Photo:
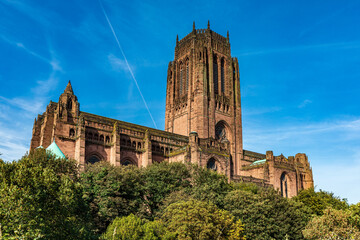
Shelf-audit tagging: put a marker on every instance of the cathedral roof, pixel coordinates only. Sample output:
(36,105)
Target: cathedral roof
(55,150)
(258,162)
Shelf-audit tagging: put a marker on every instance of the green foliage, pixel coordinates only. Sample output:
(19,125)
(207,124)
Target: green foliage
(208,185)
(112,192)
(355,215)
(160,180)
(41,198)
(265,214)
(319,201)
(195,219)
(333,224)
(133,228)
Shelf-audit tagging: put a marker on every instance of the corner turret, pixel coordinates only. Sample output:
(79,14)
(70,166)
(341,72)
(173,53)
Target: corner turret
(68,105)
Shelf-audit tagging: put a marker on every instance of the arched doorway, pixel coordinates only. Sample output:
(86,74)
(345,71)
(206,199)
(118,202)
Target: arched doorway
(211,164)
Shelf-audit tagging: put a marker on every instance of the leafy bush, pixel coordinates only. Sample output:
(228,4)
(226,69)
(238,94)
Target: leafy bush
(41,198)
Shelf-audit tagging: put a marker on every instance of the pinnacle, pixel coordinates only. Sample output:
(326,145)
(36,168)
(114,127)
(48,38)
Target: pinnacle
(69,88)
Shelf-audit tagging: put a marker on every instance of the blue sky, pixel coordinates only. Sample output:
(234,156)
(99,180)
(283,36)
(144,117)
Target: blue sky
(299,69)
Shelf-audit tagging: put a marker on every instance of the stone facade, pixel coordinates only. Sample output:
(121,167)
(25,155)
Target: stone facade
(202,123)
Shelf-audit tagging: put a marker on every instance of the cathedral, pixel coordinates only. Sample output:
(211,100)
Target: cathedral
(203,123)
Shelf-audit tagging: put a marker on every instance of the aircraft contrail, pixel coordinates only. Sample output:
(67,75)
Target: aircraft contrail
(127,64)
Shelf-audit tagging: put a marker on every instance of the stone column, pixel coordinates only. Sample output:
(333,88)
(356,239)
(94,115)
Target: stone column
(115,148)
(147,156)
(80,144)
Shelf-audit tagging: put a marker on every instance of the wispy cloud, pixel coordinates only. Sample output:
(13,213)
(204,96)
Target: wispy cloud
(260,111)
(118,64)
(324,46)
(31,11)
(126,61)
(17,113)
(304,103)
(260,135)
(332,147)
(53,62)
(340,177)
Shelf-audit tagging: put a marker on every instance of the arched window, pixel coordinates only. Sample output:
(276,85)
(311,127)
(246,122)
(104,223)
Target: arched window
(284,180)
(215,75)
(93,159)
(72,133)
(69,104)
(181,79)
(90,136)
(211,164)
(231,167)
(107,139)
(96,137)
(220,132)
(127,161)
(187,76)
(139,145)
(222,75)
(101,138)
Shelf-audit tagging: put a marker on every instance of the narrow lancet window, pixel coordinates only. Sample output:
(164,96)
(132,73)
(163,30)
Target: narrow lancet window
(187,76)
(222,76)
(181,79)
(284,185)
(215,75)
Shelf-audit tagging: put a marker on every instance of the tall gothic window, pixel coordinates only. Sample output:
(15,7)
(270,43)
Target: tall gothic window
(215,75)
(284,185)
(69,104)
(220,132)
(222,75)
(187,76)
(181,78)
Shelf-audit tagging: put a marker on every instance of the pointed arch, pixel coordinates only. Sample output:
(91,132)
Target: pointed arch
(215,75)
(181,80)
(212,164)
(284,184)
(93,158)
(222,76)
(69,104)
(187,76)
(222,131)
(128,161)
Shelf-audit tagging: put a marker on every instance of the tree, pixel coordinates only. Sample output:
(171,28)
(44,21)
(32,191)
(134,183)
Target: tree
(266,214)
(133,228)
(41,198)
(112,192)
(333,224)
(161,179)
(195,219)
(319,201)
(208,185)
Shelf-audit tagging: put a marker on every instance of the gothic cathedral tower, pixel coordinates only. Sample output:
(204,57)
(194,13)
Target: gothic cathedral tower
(203,91)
